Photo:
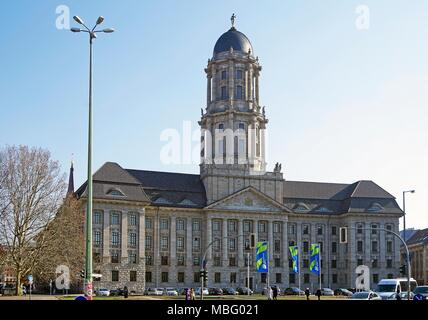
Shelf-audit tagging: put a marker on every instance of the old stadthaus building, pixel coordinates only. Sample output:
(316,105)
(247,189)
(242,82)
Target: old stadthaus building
(150,229)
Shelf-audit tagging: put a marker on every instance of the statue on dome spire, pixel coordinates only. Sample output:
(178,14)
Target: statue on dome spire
(232,20)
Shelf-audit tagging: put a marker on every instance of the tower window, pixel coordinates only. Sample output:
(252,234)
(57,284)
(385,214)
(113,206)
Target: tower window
(223,75)
(238,74)
(221,126)
(223,92)
(238,92)
(241,126)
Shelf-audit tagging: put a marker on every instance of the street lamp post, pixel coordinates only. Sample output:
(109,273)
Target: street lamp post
(88,261)
(404,210)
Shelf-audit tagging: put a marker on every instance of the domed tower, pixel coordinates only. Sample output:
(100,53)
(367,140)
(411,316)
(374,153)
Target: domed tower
(233,124)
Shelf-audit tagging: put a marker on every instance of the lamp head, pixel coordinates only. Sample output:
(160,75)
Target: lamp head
(108,30)
(100,20)
(75,30)
(78,20)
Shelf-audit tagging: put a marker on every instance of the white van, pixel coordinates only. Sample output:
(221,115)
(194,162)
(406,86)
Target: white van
(388,288)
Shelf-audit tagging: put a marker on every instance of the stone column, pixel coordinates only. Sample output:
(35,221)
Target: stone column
(208,239)
(214,83)
(351,254)
(270,246)
(208,90)
(241,258)
(231,81)
(252,142)
(382,250)
(189,255)
(285,252)
(156,252)
(124,237)
(250,83)
(106,236)
(225,244)
(173,242)
(141,250)
(257,88)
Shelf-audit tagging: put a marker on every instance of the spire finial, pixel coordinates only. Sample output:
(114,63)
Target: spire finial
(72,160)
(70,190)
(232,20)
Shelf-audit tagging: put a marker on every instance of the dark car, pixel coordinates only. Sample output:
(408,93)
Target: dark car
(353,290)
(116,292)
(294,291)
(244,290)
(229,291)
(422,290)
(342,292)
(215,291)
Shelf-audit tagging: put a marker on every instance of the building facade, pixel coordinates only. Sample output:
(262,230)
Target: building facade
(151,229)
(417,244)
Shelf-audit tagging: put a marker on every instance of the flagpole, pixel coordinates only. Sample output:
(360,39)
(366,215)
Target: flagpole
(320,276)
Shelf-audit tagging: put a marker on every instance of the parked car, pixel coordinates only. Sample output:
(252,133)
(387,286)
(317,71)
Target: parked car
(170,292)
(116,292)
(327,292)
(353,290)
(293,291)
(198,291)
(244,290)
(229,291)
(154,291)
(103,292)
(215,291)
(422,290)
(366,295)
(342,292)
(403,296)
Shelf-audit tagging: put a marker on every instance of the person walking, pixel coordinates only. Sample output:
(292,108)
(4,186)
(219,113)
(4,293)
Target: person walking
(307,293)
(192,294)
(275,293)
(318,294)
(125,292)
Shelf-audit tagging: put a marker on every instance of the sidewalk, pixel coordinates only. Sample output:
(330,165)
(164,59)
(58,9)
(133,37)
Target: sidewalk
(27,297)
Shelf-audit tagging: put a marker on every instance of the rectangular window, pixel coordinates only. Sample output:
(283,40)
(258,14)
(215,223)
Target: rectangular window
(196,261)
(374,263)
(238,74)
(196,277)
(115,275)
(277,262)
(97,238)
(114,218)
(241,147)
(305,263)
(305,247)
(276,227)
(132,239)
(133,276)
(180,260)
(132,219)
(389,263)
(292,277)
(247,244)
(164,224)
(306,278)
(359,262)
(305,229)
(292,228)
(232,226)
(263,278)
(180,277)
(359,228)
(164,260)
(278,278)
(216,225)
(334,278)
(96,257)
(196,245)
(180,224)
(247,226)
(359,246)
(374,229)
(196,225)
(374,246)
(115,237)
(375,278)
(389,247)
(238,92)
(232,261)
(148,276)
(97,217)
(217,262)
(333,264)
(334,247)
(333,230)
(262,226)
(132,258)
(232,244)
(164,243)
(180,243)
(217,245)
(319,230)
(224,75)
(224,93)
(389,227)
(148,223)
(149,260)
(148,242)
(164,276)
(277,246)
(233,277)
(217,277)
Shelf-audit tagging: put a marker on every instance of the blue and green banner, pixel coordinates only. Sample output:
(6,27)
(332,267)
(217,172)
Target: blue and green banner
(262,256)
(294,250)
(314,262)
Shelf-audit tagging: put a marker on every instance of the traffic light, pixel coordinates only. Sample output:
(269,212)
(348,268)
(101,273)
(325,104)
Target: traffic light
(252,240)
(204,275)
(82,273)
(343,232)
(403,269)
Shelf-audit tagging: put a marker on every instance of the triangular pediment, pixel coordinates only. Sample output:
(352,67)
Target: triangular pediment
(248,199)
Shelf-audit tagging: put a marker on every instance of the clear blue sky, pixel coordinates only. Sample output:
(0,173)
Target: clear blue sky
(343,104)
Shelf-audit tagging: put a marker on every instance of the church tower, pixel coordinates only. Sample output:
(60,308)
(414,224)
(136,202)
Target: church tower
(233,125)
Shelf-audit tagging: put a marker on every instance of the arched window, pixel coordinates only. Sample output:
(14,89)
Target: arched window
(238,92)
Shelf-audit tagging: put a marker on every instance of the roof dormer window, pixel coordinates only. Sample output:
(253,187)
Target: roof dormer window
(115,192)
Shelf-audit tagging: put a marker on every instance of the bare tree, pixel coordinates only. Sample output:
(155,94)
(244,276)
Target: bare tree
(31,190)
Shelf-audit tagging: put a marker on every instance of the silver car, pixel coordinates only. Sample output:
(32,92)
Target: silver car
(366,295)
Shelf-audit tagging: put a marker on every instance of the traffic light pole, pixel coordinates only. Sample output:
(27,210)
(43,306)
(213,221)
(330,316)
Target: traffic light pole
(405,246)
(203,269)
